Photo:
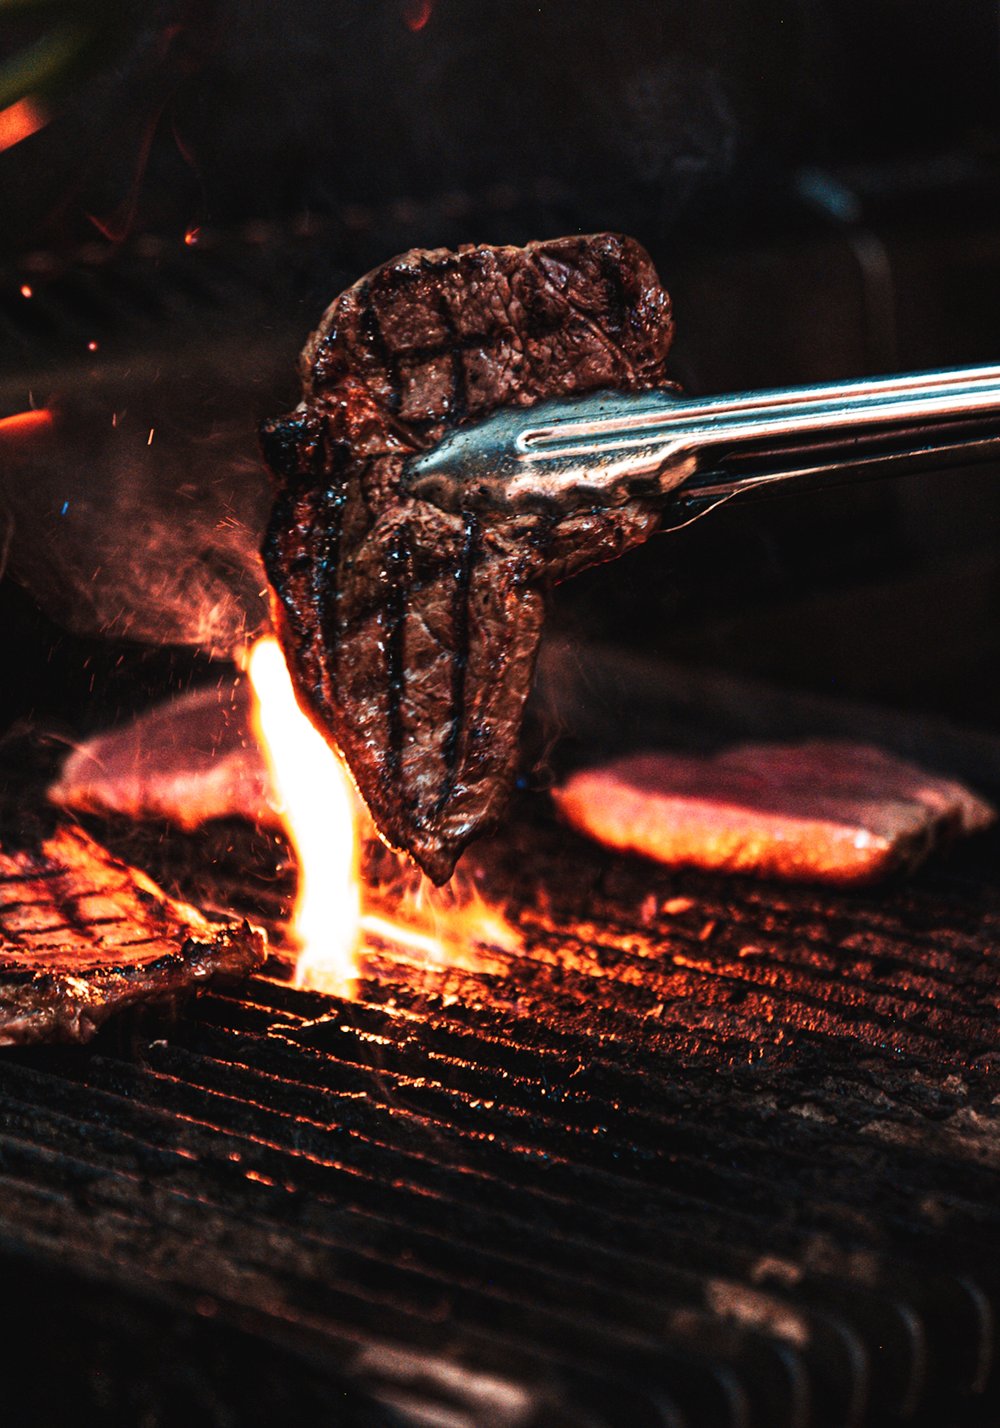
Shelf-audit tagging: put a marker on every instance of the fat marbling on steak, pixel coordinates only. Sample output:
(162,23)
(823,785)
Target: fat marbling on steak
(411,631)
(83,935)
(825,810)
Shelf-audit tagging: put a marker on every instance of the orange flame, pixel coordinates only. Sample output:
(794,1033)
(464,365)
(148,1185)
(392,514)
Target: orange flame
(316,803)
(321,813)
(450,925)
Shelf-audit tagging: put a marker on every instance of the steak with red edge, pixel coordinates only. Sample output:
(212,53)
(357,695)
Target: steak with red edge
(825,810)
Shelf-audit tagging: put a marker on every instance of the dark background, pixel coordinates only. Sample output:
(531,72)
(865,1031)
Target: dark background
(819,184)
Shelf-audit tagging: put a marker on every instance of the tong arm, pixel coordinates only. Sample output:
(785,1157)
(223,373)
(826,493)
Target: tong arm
(611,445)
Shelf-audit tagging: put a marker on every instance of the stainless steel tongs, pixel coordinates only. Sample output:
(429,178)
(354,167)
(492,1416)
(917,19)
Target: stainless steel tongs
(608,447)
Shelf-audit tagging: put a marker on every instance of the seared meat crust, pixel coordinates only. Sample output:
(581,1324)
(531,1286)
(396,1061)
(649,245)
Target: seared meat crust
(83,935)
(411,632)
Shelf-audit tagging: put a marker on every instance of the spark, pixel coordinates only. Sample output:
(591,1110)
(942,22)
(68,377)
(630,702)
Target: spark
(26,291)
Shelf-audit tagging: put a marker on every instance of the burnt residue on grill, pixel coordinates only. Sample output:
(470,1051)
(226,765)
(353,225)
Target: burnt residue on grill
(704,1152)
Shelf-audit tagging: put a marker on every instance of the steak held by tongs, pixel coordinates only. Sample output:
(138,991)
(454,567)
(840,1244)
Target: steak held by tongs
(478,426)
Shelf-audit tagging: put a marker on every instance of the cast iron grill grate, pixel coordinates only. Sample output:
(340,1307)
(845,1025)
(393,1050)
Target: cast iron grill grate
(706,1153)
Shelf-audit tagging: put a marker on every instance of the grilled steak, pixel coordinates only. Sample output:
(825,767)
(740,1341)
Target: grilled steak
(187,761)
(411,631)
(83,935)
(828,810)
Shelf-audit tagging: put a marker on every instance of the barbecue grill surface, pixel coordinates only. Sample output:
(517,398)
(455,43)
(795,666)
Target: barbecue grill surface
(707,1152)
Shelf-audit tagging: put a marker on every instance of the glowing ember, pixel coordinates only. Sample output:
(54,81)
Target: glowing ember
(191,237)
(26,291)
(316,802)
(21,120)
(22,423)
(416,13)
(321,813)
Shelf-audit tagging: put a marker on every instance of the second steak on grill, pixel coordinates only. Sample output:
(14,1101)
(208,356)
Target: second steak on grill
(83,936)
(410,631)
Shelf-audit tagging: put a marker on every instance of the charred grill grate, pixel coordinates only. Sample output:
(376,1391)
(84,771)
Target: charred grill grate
(706,1153)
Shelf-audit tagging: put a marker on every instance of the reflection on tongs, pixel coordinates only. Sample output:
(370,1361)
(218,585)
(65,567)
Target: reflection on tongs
(696,452)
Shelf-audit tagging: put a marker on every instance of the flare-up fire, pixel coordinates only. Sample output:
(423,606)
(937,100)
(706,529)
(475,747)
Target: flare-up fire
(316,804)
(321,813)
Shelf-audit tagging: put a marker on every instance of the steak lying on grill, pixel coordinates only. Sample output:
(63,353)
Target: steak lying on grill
(411,631)
(83,935)
(187,761)
(827,810)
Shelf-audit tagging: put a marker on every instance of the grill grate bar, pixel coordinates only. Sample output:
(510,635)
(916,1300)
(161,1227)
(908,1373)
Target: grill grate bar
(529,1072)
(264,1085)
(819,1153)
(291,1274)
(520,1046)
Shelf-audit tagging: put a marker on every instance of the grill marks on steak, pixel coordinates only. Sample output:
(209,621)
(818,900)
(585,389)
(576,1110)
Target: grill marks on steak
(411,632)
(83,935)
